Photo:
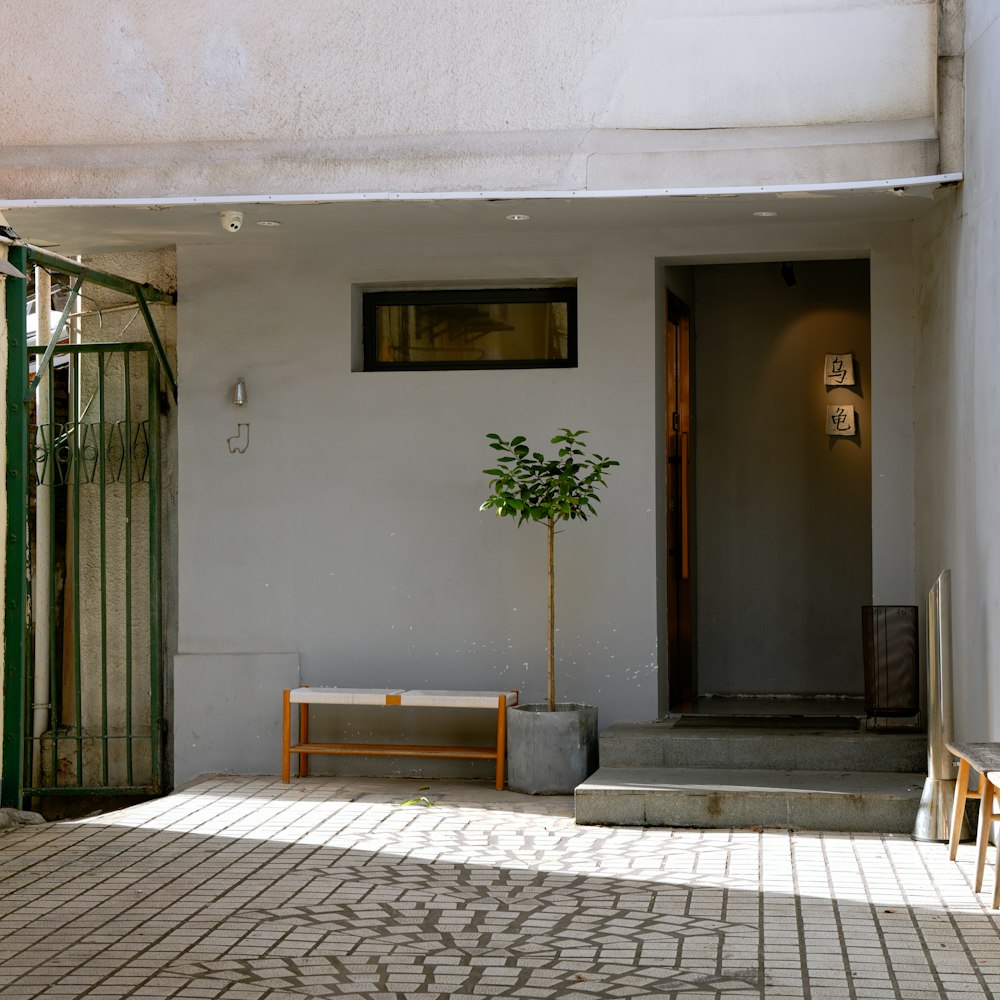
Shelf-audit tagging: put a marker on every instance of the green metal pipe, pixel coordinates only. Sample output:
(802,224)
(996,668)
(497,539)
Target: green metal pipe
(54,262)
(50,467)
(15,575)
(161,354)
(143,293)
(124,345)
(77,658)
(153,474)
(126,357)
(53,343)
(103,534)
(117,790)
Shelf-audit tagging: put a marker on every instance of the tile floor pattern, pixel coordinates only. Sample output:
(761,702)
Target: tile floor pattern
(247,889)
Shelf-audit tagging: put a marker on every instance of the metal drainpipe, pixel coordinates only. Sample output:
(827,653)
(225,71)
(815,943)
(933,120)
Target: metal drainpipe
(41,577)
(934,816)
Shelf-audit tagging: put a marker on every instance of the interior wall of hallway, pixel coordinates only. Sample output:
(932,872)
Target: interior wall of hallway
(784,528)
(958,411)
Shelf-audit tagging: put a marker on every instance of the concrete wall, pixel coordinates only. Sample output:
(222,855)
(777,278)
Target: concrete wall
(349,531)
(958,357)
(193,98)
(784,531)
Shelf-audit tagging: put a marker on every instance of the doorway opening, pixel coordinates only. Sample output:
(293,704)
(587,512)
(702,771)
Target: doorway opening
(767,503)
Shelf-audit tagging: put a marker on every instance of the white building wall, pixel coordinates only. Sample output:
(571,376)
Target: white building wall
(253,97)
(349,531)
(321,538)
(958,409)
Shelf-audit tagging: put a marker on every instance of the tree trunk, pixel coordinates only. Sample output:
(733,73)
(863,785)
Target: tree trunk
(551,525)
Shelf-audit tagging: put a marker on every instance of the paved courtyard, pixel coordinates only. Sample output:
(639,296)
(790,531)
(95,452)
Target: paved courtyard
(247,889)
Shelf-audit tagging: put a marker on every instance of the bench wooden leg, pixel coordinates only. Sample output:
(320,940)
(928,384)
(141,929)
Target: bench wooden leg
(986,795)
(303,738)
(286,737)
(501,739)
(958,808)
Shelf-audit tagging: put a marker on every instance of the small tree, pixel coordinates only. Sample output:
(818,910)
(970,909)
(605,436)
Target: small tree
(530,487)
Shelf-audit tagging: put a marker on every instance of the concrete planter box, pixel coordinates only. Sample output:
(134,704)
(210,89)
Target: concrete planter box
(550,753)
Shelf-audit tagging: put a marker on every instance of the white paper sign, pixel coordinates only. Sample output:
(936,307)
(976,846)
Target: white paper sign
(839,369)
(840,421)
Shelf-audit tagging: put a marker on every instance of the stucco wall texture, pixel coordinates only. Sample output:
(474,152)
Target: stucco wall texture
(958,410)
(323,97)
(349,531)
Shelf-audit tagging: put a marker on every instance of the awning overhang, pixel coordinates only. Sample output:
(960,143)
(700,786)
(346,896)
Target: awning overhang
(93,226)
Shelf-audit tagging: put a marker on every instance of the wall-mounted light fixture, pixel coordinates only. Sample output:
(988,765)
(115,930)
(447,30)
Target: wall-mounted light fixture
(240,392)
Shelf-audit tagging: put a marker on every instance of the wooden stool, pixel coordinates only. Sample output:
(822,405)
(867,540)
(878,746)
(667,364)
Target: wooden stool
(984,759)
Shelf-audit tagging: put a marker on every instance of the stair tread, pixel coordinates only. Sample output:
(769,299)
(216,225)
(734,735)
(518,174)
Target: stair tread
(667,730)
(752,780)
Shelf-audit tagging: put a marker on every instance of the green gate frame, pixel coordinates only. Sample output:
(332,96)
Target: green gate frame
(13,779)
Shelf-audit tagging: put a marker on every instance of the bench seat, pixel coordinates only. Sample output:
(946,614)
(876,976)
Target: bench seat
(496,701)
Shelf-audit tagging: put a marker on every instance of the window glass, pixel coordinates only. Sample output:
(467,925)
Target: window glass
(495,328)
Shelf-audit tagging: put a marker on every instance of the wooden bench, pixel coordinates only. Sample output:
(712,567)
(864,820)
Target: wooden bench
(984,759)
(496,701)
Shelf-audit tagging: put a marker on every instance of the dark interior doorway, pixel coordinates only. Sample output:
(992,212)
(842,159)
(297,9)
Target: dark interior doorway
(769,547)
(680,444)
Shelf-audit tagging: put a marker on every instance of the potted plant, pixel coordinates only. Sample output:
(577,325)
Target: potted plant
(552,747)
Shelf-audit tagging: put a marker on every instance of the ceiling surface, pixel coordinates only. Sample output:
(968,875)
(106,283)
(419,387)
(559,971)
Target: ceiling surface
(92,228)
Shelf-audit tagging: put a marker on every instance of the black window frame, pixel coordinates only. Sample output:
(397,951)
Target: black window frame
(471,296)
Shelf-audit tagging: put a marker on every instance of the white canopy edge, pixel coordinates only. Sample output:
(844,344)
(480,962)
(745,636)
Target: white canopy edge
(913,186)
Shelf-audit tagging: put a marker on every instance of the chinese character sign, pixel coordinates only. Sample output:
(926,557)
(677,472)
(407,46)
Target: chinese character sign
(839,369)
(840,421)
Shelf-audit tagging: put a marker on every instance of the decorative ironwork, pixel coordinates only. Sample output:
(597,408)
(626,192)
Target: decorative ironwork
(68,454)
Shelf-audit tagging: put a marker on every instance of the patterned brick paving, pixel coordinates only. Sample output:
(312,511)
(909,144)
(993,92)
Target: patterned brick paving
(246,889)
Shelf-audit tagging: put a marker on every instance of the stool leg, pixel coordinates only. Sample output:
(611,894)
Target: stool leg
(958,808)
(990,806)
(983,832)
(996,883)
(286,726)
(303,738)
(501,739)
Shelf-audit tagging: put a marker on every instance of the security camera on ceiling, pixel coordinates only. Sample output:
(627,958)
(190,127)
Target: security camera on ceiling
(231,221)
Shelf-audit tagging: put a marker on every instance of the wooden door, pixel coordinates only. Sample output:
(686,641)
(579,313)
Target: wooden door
(680,566)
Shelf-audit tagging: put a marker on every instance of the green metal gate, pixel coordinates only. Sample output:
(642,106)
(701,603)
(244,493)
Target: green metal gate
(94,618)
(83,604)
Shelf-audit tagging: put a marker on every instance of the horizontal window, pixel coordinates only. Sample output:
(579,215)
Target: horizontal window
(472,328)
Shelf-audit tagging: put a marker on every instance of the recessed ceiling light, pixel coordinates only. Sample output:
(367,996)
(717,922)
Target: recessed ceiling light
(518,218)
(765,215)
(268,222)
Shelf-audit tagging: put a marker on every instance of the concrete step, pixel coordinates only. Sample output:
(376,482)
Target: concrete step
(769,745)
(863,802)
